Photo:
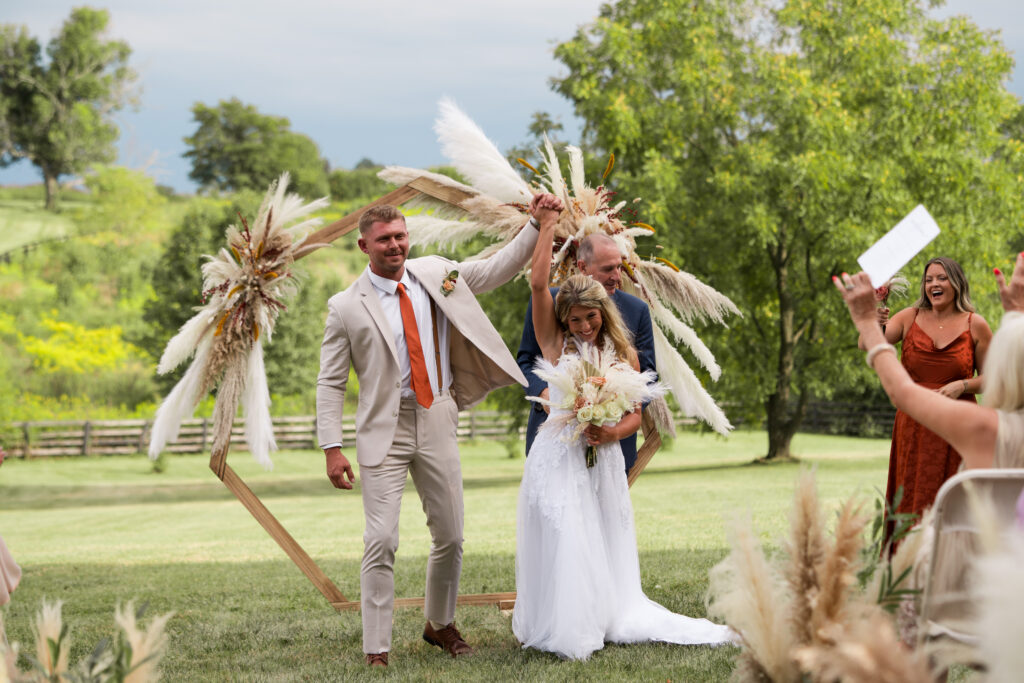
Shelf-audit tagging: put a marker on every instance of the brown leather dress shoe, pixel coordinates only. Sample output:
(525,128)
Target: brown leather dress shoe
(448,639)
(377,659)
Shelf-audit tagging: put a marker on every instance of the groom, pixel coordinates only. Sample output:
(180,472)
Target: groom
(599,257)
(422,349)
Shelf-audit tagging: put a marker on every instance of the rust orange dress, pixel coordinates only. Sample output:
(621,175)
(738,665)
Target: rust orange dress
(919,460)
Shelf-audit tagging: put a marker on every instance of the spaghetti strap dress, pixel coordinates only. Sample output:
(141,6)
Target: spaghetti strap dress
(919,460)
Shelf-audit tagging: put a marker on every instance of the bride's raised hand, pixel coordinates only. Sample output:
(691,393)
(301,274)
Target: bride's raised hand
(545,209)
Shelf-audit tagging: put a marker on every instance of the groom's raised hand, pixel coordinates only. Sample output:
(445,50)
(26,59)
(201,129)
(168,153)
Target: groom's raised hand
(338,468)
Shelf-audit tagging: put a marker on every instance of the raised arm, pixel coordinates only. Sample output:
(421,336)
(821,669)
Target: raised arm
(968,427)
(545,325)
(527,355)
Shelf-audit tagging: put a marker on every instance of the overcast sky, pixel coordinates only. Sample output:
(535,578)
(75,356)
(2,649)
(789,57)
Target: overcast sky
(360,77)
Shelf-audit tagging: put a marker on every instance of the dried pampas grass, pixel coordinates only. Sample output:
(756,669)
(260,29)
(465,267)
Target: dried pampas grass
(147,645)
(749,594)
(245,287)
(52,641)
(806,548)
(496,208)
(864,651)
(802,614)
(132,657)
(837,570)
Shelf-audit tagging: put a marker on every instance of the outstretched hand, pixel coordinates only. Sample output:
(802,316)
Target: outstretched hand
(1012,295)
(859,296)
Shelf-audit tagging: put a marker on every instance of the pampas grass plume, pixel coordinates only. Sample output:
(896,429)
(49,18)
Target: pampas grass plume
(748,594)
(147,645)
(806,549)
(838,569)
(866,651)
(48,626)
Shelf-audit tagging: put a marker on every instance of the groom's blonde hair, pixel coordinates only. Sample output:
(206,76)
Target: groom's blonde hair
(582,290)
(384,213)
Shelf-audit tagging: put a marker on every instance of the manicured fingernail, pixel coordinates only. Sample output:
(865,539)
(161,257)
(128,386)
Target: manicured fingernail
(996,271)
(835,279)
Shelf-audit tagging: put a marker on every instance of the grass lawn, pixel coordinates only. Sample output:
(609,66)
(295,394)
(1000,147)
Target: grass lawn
(92,531)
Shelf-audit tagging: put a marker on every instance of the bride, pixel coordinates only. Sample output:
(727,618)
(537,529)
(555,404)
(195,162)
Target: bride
(577,570)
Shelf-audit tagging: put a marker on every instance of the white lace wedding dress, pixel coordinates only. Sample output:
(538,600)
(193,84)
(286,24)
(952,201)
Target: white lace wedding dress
(577,571)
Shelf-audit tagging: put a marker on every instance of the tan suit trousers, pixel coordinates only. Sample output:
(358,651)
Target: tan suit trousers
(425,446)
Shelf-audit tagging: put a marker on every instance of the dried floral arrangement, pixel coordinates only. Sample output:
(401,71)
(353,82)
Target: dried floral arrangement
(245,287)
(803,615)
(497,207)
(132,656)
(897,286)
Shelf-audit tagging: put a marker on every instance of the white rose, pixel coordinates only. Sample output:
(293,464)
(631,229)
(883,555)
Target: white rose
(599,414)
(613,412)
(585,413)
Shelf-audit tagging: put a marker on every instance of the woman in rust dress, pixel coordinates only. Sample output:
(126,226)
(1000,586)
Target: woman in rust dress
(944,344)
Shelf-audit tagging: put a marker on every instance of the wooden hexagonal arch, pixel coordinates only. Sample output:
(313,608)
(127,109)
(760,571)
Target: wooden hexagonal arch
(218,459)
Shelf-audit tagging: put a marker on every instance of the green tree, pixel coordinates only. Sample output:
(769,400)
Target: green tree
(235,147)
(57,112)
(772,145)
(126,201)
(359,183)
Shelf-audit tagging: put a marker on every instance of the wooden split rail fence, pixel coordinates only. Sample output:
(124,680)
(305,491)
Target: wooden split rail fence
(116,437)
(122,437)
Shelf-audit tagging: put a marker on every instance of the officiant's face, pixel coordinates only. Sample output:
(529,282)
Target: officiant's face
(584,322)
(387,245)
(605,267)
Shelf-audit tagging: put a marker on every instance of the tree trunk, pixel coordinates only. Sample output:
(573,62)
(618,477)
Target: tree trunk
(782,422)
(52,190)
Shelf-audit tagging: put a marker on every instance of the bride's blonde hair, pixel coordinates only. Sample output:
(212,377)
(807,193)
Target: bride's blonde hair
(581,290)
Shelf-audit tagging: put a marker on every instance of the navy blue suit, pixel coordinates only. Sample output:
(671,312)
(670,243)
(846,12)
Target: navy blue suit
(637,317)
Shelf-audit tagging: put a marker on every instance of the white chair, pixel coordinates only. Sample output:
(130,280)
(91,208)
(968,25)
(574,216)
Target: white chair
(945,620)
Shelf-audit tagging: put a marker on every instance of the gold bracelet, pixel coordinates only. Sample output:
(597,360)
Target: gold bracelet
(875,350)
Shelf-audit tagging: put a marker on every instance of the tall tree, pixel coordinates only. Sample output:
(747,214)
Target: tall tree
(57,112)
(771,144)
(235,147)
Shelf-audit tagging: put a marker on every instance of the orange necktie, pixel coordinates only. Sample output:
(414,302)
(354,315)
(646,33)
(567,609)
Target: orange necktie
(420,378)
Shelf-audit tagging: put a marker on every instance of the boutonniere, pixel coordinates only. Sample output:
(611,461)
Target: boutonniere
(448,283)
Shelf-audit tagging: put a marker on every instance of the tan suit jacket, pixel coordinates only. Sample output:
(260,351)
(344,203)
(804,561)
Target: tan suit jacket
(357,334)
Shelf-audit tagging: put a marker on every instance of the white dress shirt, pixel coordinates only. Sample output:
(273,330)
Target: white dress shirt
(387,291)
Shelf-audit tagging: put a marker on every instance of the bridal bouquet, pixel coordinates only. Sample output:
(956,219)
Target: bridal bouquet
(595,388)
